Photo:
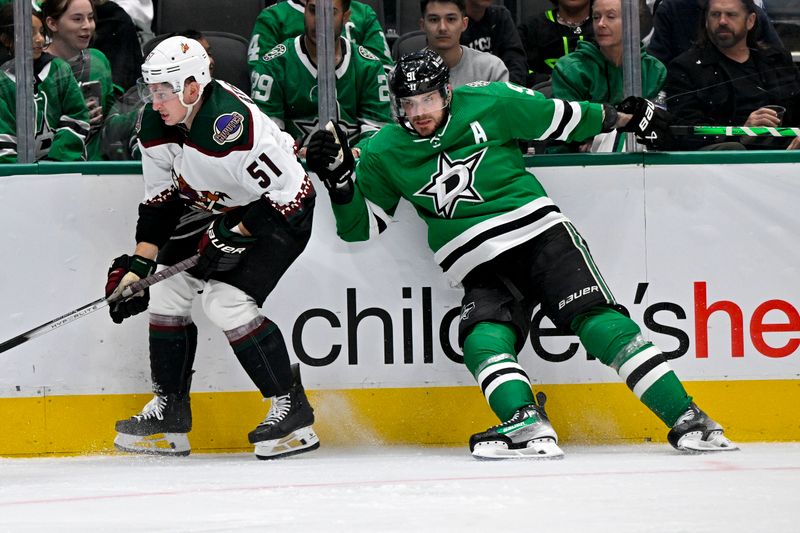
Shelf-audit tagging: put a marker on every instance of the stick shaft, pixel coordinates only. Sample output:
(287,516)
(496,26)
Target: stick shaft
(100,303)
(736,131)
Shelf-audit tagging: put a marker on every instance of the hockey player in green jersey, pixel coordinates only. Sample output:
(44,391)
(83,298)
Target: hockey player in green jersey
(220,179)
(284,83)
(492,228)
(284,20)
(62,121)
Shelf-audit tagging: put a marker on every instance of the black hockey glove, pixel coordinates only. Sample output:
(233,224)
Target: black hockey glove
(124,271)
(329,156)
(649,123)
(220,249)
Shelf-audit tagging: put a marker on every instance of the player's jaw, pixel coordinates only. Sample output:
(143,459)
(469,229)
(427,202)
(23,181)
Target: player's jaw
(426,124)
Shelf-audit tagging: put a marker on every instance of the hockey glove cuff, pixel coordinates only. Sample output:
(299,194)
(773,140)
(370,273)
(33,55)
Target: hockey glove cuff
(221,249)
(649,123)
(329,156)
(125,270)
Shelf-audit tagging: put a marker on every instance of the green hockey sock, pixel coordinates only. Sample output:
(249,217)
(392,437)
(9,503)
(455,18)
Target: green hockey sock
(616,340)
(489,356)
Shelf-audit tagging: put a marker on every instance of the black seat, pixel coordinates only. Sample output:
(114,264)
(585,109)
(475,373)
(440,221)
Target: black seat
(408,15)
(409,42)
(230,16)
(230,56)
(529,8)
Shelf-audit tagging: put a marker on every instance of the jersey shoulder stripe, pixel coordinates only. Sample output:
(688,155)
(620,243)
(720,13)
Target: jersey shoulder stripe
(224,123)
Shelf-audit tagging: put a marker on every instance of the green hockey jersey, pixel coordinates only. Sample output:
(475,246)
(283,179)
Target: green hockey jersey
(62,121)
(285,20)
(467,181)
(285,88)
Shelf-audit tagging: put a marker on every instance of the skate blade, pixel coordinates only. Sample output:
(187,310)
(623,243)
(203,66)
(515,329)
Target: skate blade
(541,449)
(299,441)
(176,444)
(693,443)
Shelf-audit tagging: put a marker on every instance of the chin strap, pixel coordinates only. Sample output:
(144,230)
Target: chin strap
(189,107)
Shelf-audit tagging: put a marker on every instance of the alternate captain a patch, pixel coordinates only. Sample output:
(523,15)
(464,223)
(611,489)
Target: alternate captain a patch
(452,183)
(228,128)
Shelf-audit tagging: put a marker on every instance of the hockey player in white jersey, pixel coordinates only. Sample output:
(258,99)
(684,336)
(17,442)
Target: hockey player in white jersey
(220,178)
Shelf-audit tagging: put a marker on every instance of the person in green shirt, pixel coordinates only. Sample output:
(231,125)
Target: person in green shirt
(453,155)
(61,118)
(284,84)
(593,72)
(284,20)
(71,24)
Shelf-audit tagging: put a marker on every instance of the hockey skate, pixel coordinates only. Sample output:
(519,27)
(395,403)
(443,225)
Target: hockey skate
(160,429)
(526,435)
(695,432)
(287,428)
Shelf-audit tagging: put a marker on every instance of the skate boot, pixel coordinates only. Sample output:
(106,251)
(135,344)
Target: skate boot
(527,434)
(287,428)
(695,432)
(160,429)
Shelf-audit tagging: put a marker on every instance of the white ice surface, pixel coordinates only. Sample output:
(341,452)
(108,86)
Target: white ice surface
(621,489)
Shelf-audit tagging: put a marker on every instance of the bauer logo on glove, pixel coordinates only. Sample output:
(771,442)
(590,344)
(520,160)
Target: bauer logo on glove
(649,123)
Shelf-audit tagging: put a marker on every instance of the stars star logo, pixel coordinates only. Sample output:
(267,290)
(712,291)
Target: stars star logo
(307,127)
(453,183)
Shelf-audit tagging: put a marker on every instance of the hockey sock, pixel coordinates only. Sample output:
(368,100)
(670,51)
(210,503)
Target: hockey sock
(173,342)
(616,340)
(261,351)
(489,356)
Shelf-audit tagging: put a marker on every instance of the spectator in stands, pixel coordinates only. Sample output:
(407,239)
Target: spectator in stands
(71,24)
(116,37)
(553,34)
(141,12)
(729,78)
(120,138)
(284,20)
(491,29)
(62,120)
(443,22)
(675,24)
(285,83)
(593,72)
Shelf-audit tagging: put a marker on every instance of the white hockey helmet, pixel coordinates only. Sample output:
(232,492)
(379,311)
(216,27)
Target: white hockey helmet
(176,59)
(173,61)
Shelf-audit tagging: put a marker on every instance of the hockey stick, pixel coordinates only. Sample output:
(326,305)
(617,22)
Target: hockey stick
(735,131)
(100,303)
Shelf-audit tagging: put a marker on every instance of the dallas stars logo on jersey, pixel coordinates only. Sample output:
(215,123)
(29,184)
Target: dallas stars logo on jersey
(453,183)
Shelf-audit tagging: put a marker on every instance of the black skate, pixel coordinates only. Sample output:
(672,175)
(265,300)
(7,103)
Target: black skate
(695,432)
(287,428)
(160,429)
(527,434)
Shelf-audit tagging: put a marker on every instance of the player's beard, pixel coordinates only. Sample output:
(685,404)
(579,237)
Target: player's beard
(729,39)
